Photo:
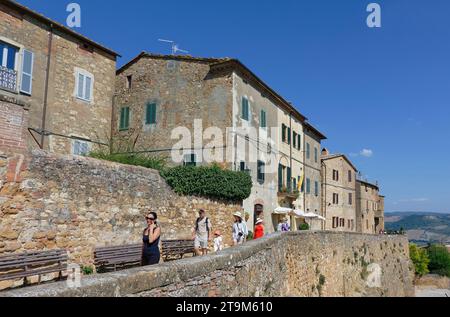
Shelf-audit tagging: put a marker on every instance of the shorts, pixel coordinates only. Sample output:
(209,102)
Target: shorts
(201,243)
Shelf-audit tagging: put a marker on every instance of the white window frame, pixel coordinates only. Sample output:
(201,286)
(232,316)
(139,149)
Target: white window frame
(82,72)
(18,60)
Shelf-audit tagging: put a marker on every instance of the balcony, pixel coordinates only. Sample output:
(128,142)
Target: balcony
(8,79)
(286,192)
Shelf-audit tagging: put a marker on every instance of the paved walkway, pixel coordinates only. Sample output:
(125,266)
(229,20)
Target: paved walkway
(432,292)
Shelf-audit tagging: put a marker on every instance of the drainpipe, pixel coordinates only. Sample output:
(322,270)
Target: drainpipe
(323,172)
(47,78)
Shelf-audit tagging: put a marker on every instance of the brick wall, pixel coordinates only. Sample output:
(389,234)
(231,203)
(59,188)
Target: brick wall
(13,126)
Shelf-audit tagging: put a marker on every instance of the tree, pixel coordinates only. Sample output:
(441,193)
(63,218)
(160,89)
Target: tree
(439,260)
(420,259)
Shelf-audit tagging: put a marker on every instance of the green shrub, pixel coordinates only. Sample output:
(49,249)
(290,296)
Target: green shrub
(153,162)
(87,270)
(439,260)
(211,182)
(250,236)
(304,227)
(420,259)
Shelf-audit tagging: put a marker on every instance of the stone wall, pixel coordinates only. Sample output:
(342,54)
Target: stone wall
(50,201)
(282,264)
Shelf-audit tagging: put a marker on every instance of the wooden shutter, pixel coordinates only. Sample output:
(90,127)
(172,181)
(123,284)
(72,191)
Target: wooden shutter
(151,114)
(26,81)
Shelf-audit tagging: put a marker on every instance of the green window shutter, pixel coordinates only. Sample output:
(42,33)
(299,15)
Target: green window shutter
(289,179)
(299,145)
(289,135)
(124,118)
(245,109)
(150,117)
(308,151)
(308,186)
(263,119)
(280,177)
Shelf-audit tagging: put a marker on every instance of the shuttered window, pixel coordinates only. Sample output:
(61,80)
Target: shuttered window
(26,81)
(124,118)
(308,151)
(245,109)
(261,172)
(263,119)
(150,115)
(316,189)
(84,86)
(308,186)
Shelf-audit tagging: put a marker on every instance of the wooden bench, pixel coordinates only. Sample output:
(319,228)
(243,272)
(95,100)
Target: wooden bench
(29,264)
(127,256)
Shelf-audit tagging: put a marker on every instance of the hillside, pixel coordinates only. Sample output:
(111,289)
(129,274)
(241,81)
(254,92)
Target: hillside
(421,227)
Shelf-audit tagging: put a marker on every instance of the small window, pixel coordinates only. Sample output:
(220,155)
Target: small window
(289,135)
(124,118)
(242,167)
(316,155)
(316,189)
(336,175)
(190,160)
(245,109)
(150,115)
(263,119)
(129,81)
(350,177)
(84,86)
(299,142)
(80,148)
(261,172)
(283,133)
(336,199)
(308,186)
(308,151)
(350,199)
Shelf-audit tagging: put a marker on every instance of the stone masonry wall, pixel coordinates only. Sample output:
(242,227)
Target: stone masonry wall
(50,201)
(283,264)
(13,124)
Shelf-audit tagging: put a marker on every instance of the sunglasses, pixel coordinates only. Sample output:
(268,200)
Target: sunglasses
(153,219)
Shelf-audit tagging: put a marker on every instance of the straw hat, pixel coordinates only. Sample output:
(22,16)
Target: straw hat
(238,214)
(217,233)
(259,220)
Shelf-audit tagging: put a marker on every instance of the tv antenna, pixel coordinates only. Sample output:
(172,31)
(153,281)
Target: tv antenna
(175,48)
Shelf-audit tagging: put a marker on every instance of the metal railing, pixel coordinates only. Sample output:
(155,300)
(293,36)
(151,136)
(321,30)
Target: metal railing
(8,79)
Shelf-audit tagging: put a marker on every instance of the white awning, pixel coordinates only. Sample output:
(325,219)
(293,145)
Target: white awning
(282,211)
(298,213)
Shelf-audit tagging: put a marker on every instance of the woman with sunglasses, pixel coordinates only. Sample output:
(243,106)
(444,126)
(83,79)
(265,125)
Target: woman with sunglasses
(150,251)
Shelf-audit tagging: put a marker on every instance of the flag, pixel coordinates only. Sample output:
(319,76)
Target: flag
(300,182)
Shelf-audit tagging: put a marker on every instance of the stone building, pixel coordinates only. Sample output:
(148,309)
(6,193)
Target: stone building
(164,101)
(339,192)
(52,79)
(369,208)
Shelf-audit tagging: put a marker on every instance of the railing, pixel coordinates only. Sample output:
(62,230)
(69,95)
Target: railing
(8,79)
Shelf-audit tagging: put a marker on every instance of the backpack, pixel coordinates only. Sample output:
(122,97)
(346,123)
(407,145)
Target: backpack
(206,222)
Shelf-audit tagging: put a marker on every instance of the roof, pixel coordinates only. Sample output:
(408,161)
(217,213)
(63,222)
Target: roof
(315,131)
(225,64)
(25,10)
(333,156)
(368,184)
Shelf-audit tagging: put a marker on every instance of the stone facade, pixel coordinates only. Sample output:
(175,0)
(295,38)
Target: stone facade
(50,201)
(13,125)
(27,32)
(339,192)
(283,264)
(369,208)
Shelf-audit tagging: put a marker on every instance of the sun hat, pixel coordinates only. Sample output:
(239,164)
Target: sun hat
(217,233)
(259,220)
(238,214)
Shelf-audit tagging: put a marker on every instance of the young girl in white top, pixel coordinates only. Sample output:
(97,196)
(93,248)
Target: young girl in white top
(218,242)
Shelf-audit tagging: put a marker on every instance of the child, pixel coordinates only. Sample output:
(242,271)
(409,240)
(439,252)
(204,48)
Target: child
(259,229)
(218,241)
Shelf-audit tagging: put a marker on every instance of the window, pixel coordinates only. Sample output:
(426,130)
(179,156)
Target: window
(26,81)
(124,118)
(299,142)
(342,224)
(308,151)
(281,170)
(289,179)
(316,189)
(367,203)
(129,81)
(263,119)
(294,184)
(308,186)
(335,222)
(190,160)
(261,172)
(8,56)
(294,143)
(289,136)
(336,175)
(245,109)
(350,176)
(335,199)
(150,116)
(316,155)
(283,133)
(80,148)
(84,85)
(350,199)
(242,167)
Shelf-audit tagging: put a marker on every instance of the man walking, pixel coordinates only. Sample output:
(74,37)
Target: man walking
(202,233)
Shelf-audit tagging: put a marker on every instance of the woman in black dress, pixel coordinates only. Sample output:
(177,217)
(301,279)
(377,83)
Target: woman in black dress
(152,234)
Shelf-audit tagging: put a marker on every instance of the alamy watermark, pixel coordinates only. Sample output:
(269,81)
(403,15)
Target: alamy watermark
(74,18)
(374,18)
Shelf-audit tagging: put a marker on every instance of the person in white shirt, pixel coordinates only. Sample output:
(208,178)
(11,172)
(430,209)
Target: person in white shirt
(240,230)
(218,241)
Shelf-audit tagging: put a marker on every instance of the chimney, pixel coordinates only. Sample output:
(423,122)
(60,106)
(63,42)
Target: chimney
(325,152)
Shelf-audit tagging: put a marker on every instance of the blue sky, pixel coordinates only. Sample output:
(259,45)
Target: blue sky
(386,90)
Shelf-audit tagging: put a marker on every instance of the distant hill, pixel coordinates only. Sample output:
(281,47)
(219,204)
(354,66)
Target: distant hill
(422,227)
